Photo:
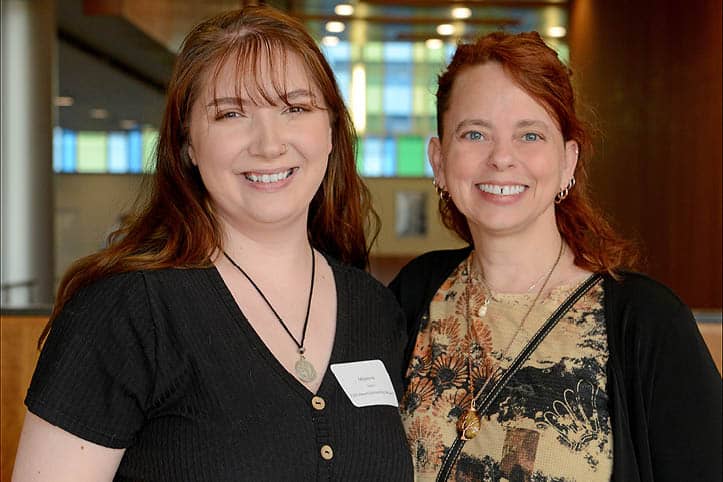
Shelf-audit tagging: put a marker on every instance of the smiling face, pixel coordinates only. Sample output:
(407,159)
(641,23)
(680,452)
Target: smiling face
(261,157)
(502,157)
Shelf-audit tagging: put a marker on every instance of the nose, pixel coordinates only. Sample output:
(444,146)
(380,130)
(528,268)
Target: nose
(266,138)
(501,156)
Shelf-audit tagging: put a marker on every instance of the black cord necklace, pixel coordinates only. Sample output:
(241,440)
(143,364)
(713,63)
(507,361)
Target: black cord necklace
(303,367)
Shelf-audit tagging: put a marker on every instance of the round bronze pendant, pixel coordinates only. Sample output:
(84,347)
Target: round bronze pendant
(305,370)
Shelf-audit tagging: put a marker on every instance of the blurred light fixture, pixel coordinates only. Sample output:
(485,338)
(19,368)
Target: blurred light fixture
(335,27)
(461,13)
(344,9)
(330,40)
(128,124)
(433,43)
(359,98)
(556,32)
(445,29)
(98,114)
(64,101)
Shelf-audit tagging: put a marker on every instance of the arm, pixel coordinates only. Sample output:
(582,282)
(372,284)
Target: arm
(666,391)
(94,379)
(684,400)
(46,452)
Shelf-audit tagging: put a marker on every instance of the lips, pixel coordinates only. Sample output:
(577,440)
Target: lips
(269,178)
(502,190)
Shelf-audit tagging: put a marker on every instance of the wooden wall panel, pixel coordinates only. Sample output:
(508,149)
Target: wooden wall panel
(18,355)
(713,336)
(652,75)
(19,335)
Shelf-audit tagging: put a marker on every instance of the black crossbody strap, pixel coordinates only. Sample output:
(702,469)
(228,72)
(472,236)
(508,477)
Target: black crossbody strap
(535,342)
(516,364)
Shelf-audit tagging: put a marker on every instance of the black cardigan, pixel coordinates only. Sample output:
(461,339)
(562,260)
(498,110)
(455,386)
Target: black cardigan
(663,386)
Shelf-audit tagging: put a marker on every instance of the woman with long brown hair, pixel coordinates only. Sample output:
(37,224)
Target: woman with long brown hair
(534,354)
(222,333)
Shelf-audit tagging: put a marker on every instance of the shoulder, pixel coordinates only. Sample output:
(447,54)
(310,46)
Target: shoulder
(639,303)
(427,271)
(417,282)
(438,258)
(364,301)
(357,280)
(639,290)
(440,262)
(133,292)
(108,291)
(115,302)
(113,282)
(135,280)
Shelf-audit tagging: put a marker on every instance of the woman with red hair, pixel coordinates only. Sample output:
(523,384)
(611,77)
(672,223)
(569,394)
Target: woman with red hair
(221,334)
(534,354)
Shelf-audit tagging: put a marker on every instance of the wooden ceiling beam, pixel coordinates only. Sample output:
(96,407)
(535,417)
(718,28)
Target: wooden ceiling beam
(416,37)
(469,3)
(405,20)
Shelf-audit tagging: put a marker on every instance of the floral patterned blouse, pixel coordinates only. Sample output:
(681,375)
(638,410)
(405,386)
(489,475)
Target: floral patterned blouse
(550,423)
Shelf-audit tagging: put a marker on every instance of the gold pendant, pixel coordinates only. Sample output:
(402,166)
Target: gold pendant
(468,424)
(483,309)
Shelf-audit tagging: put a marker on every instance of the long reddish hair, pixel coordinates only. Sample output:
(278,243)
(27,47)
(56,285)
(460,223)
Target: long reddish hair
(175,225)
(536,68)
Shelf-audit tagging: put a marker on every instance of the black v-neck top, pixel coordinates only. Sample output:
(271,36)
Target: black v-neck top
(164,364)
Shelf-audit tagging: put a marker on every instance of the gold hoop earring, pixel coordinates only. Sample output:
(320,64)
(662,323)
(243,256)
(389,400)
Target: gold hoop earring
(560,196)
(441,192)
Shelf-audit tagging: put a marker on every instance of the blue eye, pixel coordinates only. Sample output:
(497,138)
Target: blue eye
(531,137)
(473,135)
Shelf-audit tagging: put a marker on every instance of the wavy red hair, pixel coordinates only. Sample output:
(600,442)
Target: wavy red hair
(175,225)
(536,68)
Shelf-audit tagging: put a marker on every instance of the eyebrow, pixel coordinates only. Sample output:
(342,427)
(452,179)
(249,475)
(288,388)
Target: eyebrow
(488,125)
(473,122)
(532,123)
(294,94)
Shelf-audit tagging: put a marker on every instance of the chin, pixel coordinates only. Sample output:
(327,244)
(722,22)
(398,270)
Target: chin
(501,226)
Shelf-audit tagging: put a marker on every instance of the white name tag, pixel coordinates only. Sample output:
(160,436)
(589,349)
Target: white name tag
(366,383)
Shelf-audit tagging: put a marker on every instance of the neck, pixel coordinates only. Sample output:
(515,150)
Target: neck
(267,249)
(514,263)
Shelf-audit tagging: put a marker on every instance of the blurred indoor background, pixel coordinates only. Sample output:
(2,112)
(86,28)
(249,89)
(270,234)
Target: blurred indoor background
(83,84)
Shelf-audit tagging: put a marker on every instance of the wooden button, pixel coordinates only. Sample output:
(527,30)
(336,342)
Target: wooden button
(326,452)
(318,403)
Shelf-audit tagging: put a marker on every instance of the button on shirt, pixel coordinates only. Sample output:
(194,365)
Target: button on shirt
(318,403)
(326,452)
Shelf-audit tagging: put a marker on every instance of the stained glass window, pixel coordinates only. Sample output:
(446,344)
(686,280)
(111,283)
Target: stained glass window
(393,106)
(115,152)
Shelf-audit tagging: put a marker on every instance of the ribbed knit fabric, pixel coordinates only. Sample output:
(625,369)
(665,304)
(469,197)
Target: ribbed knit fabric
(163,363)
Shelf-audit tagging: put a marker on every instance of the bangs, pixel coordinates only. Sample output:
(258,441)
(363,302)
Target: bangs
(259,66)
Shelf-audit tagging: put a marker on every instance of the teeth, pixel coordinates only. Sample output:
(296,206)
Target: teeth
(268,178)
(502,190)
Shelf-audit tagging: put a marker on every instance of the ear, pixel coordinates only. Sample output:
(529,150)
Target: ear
(330,147)
(572,152)
(192,155)
(434,152)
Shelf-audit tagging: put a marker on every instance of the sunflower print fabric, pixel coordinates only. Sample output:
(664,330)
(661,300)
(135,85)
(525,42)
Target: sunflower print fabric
(550,423)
